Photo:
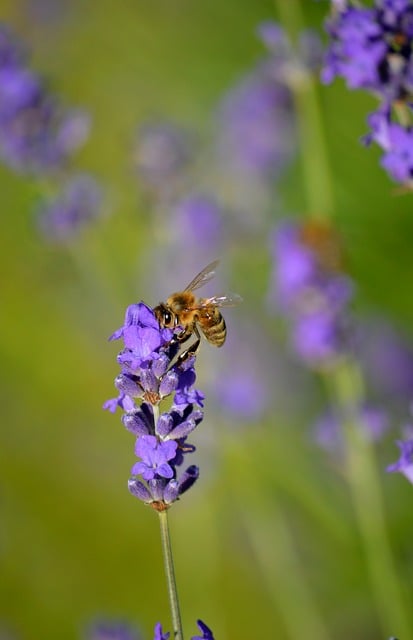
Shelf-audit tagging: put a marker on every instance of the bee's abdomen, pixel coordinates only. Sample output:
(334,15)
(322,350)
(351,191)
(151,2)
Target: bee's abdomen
(214,328)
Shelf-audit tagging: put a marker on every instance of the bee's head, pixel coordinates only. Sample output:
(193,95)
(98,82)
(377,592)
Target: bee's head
(164,315)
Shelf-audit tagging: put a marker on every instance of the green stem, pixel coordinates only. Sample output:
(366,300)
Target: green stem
(313,148)
(170,575)
(365,483)
(169,562)
(345,381)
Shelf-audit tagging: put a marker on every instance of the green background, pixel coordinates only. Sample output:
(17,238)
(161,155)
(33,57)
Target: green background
(267,540)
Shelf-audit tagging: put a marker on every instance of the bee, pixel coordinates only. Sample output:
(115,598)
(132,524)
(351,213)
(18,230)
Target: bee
(196,315)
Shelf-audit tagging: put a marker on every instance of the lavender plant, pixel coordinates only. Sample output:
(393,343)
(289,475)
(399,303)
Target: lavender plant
(161,408)
(61,217)
(311,290)
(371,48)
(37,133)
(38,138)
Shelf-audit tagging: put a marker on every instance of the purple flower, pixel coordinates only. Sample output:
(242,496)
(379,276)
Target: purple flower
(159,635)
(256,136)
(311,291)
(155,456)
(206,632)
(296,265)
(398,161)
(387,358)
(357,48)
(78,204)
(288,60)
(199,218)
(150,371)
(405,463)
(37,134)
(141,334)
(371,48)
(316,336)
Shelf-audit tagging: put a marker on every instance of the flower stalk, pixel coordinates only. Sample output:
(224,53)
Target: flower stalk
(170,574)
(152,372)
(345,386)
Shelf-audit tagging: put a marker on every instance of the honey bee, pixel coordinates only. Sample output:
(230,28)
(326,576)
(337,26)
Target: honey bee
(196,315)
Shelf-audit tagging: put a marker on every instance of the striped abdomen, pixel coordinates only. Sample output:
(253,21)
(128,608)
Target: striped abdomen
(212,324)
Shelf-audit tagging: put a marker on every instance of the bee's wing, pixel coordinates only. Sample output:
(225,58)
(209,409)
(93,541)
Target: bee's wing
(229,300)
(203,277)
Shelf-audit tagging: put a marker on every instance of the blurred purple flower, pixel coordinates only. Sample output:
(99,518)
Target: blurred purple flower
(386,356)
(198,218)
(243,394)
(310,290)
(289,60)
(155,456)
(328,429)
(256,134)
(37,134)
(405,463)
(78,204)
(105,630)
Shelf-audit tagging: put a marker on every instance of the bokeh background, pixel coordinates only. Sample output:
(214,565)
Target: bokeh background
(267,543)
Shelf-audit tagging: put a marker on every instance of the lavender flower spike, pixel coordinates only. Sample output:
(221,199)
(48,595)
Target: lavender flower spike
(310,290)
(37,134)
(150,372)
(78,203)
(371,48)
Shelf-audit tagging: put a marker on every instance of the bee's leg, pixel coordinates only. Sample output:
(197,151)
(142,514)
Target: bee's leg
(192,350)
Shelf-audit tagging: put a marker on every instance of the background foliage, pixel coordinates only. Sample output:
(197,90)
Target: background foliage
(268,535)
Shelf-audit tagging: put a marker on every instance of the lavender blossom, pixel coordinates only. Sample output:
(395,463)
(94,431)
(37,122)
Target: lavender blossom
(405,463)
(206,632)
(150,373)
(255,124)
(159,635)
(37,134)
(371,48)
(310,290)
(78,203)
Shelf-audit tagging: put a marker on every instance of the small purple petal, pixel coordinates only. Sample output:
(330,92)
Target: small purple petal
(188,478)
(138,489)
(158,634)
(206,632)
(405,463)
